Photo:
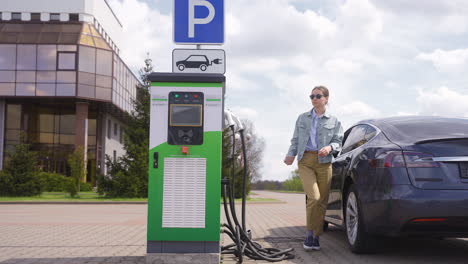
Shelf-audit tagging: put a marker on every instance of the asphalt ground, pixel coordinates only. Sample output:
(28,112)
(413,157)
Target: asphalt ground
(116,233)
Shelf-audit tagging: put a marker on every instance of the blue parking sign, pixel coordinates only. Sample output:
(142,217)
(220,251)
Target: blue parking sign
(199,21)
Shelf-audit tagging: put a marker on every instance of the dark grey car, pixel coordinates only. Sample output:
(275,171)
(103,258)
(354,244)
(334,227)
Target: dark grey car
(401,176)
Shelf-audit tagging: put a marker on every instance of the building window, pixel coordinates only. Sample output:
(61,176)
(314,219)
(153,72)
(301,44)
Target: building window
(121,135)
(7,57)
(35,16)
(55,17)
(26,59)
(115,156)
(115,129)
(74,17)
(66,61)
(109,127)
(15,16)
(47,57)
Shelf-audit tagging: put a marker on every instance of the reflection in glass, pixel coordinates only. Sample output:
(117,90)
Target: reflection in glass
(7,57)
(103,81)
(30,37)
(87,60)
(66,89)
(67,61)
(92,127)
(7,76)
(69,38)
(101,43)
(26,76)
(67,124)
(104,62)
(86,91)
(26,57)
(46,57)
(87,78)
(46,138)
(66,48)
(103,93)
(45,89)
(46,76)
(13,134)
(13,116)
(67,139)
(26,89)
(46,121)
(7,88)
(48,38)
(66,77)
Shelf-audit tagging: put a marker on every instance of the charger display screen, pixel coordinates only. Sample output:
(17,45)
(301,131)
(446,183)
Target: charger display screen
(185,115)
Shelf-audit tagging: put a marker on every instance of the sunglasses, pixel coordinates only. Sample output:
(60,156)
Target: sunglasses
(318,96)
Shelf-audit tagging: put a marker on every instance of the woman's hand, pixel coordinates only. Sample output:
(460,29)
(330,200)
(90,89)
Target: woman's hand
(289,160)
(325,151)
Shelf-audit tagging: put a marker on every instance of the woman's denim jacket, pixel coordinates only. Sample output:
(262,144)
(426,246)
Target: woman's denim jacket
(329,133)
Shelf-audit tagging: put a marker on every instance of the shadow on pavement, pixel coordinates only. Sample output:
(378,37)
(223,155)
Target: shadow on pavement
(79,260)
(335,249)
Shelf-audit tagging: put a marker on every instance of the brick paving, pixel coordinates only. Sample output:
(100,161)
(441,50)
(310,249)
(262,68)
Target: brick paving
(116,233)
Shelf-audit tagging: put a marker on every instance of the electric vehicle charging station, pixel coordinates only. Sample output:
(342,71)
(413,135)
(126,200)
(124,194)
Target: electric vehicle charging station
(185,155)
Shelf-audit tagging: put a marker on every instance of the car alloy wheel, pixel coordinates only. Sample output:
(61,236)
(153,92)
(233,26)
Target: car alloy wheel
(181,67)
(352,218)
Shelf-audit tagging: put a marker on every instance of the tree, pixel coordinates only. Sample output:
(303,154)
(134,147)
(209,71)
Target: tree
(294,182)
(77,169)
(254,149)
(129,173)
(20,174)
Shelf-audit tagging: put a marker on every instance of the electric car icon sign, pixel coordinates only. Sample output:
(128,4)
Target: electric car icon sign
(198,61)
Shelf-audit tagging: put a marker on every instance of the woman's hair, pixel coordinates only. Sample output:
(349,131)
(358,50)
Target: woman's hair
(323,89)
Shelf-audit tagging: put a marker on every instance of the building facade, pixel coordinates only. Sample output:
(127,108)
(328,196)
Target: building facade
(62,82)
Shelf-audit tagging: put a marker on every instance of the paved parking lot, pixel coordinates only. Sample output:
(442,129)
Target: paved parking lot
(116,233)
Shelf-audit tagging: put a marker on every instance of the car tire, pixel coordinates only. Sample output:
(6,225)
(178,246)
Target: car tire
(181,67)
(325,226)
(203,67)
(358,239)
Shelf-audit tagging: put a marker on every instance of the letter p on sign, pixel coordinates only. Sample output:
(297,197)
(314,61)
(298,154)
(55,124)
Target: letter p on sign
(199,21)
(192,20)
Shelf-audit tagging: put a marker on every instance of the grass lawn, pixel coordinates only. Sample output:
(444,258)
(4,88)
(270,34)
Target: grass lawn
(65,197)
(284,191)
(94,197)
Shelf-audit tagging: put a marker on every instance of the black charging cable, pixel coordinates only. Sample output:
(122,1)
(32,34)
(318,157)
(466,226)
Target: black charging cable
(242,238)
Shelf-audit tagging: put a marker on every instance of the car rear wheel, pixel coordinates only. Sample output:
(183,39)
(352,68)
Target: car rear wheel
(203,67)
(325,226)
(181,67)
(359,240)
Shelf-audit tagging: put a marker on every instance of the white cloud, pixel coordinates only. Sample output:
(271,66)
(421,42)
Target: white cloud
(355,111)
(447,61)
(146,31)
(245,112)
(442,102)
(342,66)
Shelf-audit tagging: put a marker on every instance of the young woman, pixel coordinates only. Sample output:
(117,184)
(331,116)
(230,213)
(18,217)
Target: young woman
(316,136)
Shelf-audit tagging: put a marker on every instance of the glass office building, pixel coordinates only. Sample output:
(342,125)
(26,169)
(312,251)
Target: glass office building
(62,85)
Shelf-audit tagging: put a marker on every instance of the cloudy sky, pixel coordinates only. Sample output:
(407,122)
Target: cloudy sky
(379,58)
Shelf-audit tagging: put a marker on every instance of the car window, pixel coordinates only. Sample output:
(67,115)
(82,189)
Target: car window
(355,138)
(196,58)
(370,133)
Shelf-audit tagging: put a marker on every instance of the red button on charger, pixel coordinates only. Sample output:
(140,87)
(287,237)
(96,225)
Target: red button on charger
(185,150)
